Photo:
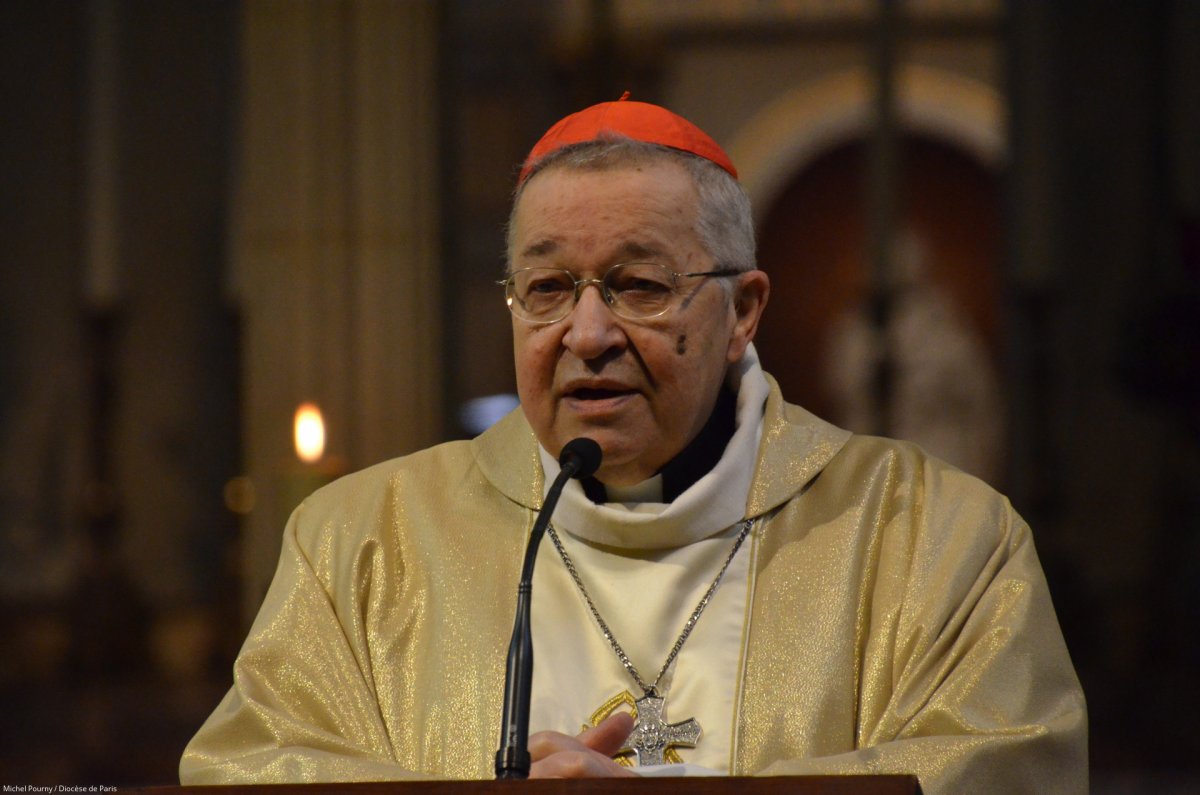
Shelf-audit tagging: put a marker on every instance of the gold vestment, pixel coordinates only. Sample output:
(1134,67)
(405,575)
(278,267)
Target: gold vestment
(900,623)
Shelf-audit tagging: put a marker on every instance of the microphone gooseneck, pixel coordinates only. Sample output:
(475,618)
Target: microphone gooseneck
(580,458)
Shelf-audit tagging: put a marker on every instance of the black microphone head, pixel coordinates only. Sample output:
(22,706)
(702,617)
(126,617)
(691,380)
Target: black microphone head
(582,456)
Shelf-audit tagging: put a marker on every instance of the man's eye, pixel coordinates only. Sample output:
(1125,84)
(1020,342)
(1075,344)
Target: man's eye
(547,286)
(637,284)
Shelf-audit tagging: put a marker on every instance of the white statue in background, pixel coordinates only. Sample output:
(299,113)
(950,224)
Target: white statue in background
(944,394)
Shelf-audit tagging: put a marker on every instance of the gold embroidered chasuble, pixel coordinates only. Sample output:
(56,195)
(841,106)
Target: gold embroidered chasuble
(899,622)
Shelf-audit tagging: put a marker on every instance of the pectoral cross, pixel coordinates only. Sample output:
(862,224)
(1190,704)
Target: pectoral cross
(652,735)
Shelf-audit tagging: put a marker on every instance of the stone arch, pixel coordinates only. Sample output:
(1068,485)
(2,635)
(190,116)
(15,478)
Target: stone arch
(802,123)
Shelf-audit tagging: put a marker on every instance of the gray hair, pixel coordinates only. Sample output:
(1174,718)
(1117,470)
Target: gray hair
(723,220)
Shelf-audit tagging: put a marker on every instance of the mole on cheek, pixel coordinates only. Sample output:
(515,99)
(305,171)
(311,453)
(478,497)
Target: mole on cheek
(681,344)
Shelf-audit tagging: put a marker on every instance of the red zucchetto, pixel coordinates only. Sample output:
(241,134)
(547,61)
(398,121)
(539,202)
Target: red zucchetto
(640,121)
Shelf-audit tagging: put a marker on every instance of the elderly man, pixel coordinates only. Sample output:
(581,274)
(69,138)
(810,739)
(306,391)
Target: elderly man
(765,593)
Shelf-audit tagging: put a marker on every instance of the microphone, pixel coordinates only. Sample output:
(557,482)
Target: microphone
(580,458)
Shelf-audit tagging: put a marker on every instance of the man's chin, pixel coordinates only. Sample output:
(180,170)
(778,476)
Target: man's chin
(626,462)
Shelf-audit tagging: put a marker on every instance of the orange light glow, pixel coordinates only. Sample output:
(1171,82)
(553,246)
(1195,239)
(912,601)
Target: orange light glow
(309,433)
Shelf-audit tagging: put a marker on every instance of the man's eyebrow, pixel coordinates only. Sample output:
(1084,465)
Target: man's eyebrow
(626,252)
(541,248)
(634,251)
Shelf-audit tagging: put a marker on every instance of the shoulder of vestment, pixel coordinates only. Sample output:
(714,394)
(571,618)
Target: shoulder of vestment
(427,503)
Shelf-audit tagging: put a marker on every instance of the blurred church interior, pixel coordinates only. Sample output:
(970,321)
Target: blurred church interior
(981,220)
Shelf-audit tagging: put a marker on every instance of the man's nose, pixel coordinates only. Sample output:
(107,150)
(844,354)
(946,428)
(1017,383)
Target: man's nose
(593,328)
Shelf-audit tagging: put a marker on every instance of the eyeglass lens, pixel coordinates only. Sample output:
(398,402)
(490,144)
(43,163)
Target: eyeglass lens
(632,289)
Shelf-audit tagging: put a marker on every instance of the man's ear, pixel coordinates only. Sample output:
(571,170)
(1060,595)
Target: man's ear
(749,299)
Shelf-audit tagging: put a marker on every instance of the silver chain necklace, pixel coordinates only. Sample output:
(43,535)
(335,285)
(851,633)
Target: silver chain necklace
(652,735)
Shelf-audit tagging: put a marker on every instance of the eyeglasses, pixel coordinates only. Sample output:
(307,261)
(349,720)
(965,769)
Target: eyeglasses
(633,290)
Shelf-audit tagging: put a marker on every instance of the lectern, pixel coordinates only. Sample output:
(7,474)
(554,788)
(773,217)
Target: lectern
(725,785)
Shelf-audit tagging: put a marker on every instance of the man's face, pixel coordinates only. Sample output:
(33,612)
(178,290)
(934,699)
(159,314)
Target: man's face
(641,389)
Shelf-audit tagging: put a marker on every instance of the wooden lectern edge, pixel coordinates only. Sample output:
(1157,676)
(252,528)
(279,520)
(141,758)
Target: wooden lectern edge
(715,785)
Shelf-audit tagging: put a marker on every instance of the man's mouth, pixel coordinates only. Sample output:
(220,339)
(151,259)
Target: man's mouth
(599,401)
(594,393)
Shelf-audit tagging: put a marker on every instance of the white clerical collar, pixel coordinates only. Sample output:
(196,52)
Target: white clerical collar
(713,503)
(649,490)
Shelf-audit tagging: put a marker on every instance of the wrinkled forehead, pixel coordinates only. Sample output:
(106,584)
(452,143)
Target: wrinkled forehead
(639,210)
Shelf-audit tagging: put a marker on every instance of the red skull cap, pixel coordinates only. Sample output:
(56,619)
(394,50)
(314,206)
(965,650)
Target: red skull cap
(640,121)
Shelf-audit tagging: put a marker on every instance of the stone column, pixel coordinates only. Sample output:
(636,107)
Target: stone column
(335,243)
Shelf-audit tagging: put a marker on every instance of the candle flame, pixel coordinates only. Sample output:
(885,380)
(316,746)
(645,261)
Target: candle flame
(309,433)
